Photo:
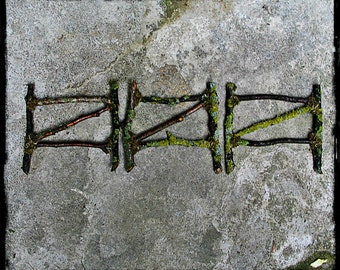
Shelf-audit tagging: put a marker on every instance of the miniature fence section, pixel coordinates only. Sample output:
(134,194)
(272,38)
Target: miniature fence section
(311,104)
(132,143)
(34,140)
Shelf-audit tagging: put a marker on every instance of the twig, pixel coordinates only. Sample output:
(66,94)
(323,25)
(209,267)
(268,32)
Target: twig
(228,126)
(273,121)
(211,106)
(63,100)
(176,119)
(316,135)
(50,132)
(28,148)
(246,142)
(128,137)
(114,140)
(102,146)
(171,100)
(272,97)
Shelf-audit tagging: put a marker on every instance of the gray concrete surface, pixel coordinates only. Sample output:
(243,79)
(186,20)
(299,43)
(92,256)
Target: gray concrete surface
(172,211)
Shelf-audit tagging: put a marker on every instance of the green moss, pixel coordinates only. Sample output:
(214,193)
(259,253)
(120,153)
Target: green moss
(211,102)
(236,141)
(231,86)
(114,85)
(228,126)
(174,8)
(306,264)
(229,166)
(30,144)
(273,121)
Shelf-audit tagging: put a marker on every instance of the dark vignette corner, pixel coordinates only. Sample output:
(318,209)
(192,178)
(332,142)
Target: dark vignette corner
(337,128)
(3,202)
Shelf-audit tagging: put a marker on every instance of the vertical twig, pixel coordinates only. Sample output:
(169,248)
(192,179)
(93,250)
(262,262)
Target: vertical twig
(114,140)
(211,106)
(316,135)
(29,144)
(129,141)
(230,103)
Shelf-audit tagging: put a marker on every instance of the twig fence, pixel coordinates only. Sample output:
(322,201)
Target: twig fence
(208,100)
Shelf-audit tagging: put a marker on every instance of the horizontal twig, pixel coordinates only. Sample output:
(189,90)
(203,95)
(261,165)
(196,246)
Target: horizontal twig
(171,100)
(63,100)
(273,141)
(273,97)
(102,146)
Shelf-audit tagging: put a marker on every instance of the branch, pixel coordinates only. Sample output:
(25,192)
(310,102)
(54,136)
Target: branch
(273,121)
(230,103)
(102,146)
(211,106)
(246,142)
(114,139)
(176,119)
(128,137)
(63,100)
(171,100)
(28,147)
(50,132)
(272,97)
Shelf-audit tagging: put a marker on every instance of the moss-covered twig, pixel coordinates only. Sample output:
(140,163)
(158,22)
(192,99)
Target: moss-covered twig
(230,103)
(170,100)
(114,139)
(273,121)
(316,135)
(211,105)
(129,140)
